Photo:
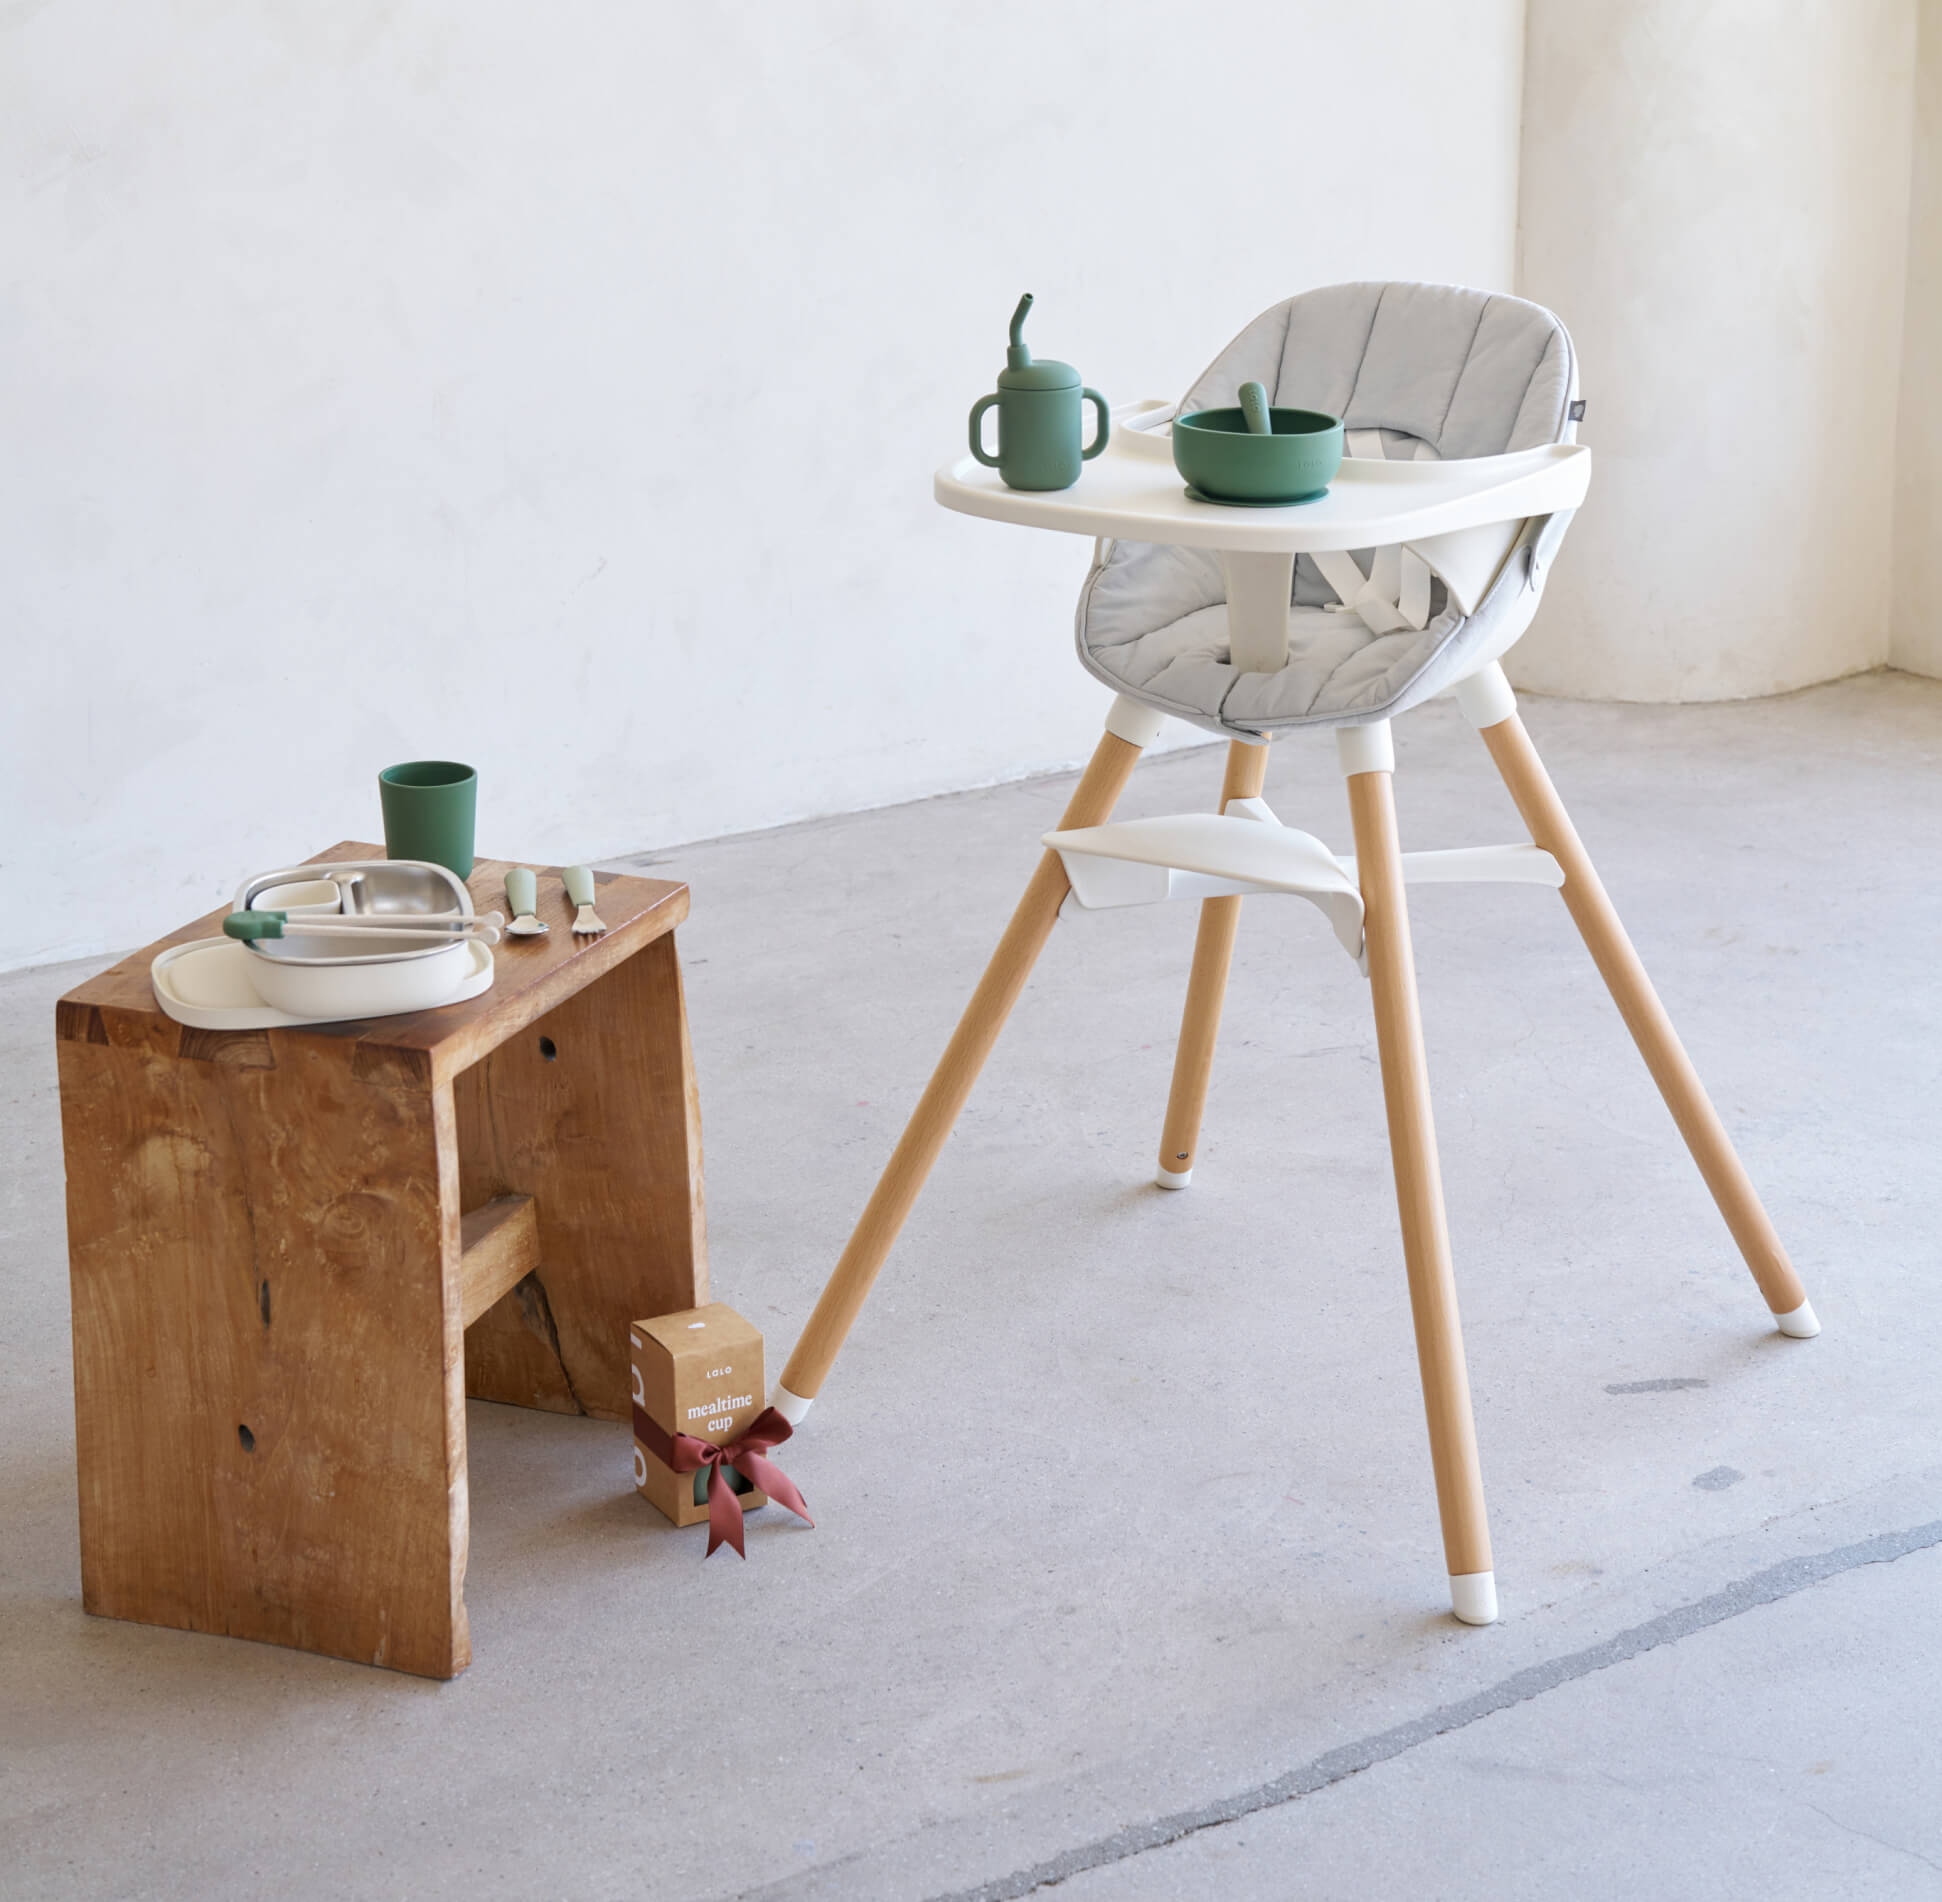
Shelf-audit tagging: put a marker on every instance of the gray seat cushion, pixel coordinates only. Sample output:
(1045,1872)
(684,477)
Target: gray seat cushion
(1467,372)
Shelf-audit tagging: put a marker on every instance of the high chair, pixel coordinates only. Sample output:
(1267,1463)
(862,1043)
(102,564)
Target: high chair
(1462,476)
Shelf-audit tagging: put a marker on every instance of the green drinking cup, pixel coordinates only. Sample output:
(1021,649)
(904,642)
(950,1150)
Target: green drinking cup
(1041,435)
(1041,418)
(429,807)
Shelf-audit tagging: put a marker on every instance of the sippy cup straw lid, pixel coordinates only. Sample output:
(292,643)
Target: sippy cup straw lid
(1020,372)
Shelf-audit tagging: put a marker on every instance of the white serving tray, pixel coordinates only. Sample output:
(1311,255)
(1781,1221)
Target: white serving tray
(1132,492)
(206,984)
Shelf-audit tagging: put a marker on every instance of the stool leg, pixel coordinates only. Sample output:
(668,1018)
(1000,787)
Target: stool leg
(1645,1017)
(1193,1058)
(1419,1187)
(971,1043)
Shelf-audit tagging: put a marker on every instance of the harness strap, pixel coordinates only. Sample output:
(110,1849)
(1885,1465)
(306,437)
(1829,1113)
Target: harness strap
(1395,593)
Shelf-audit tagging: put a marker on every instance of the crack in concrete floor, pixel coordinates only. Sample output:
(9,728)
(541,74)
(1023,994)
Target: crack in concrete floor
(1764,1587)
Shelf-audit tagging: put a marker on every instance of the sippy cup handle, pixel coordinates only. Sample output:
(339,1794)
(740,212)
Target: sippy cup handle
(1105,425)
(977,443)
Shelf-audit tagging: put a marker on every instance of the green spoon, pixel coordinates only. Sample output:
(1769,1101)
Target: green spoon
(251,925)
(1254,406)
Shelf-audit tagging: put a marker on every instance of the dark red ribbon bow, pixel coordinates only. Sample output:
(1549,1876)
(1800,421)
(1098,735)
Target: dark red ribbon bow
(686,1454)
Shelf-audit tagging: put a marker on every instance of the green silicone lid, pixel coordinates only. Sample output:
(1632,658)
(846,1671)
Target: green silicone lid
(1020,372)
(1042,375)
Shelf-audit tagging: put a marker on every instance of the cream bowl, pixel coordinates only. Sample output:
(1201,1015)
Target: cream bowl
(321,977)
(360,987)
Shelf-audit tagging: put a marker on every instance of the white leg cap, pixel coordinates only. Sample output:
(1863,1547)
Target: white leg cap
(1802,1323)
(1486,697)
(1173,1178)
(1473,1597)
(1132,721)
(792,1406)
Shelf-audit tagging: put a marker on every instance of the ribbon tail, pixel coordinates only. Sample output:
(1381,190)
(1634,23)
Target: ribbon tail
(724,1513)
(771,1479)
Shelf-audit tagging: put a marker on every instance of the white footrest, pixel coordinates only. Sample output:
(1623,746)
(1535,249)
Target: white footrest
(1206,855)
(1247,851)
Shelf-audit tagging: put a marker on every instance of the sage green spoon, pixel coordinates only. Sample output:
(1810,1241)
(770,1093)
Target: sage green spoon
(522,894)
(578,881)
(1254,406)
(253,925)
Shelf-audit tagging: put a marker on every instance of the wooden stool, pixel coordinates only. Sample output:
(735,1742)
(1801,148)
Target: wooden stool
(294,1254)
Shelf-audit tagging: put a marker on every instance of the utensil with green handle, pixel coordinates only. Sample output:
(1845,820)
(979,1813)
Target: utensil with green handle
(522,894)
(1254,406)
(248,925)
(578,881)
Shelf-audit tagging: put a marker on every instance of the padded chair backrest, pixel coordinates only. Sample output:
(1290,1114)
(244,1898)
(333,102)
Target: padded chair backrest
(1468,372)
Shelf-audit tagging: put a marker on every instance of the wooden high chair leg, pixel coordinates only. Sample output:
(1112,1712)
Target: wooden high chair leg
(1193,1057)
(1645,1017)
(944,1096)
(1419,1186)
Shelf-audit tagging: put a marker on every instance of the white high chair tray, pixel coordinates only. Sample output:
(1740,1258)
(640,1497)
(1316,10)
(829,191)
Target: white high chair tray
(206,985)
(1132,493)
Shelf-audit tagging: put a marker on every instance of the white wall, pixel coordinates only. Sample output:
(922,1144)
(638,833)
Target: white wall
(1917,631)
(558,388)
(1715,198)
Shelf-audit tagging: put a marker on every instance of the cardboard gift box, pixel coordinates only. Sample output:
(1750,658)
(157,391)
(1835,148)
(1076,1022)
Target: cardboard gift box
(697,1372)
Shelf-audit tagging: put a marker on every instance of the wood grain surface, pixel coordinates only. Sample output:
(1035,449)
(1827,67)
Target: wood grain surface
(530,976)
(592,1111)
(276,1239)
(267,1350)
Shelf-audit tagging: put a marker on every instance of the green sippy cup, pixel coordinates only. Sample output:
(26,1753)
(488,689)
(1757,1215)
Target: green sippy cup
(1039,418)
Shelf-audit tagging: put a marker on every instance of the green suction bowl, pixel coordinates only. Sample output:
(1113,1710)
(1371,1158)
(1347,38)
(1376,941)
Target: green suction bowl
(1214,450)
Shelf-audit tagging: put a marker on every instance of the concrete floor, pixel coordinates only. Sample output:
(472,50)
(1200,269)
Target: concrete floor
(1126,1573)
